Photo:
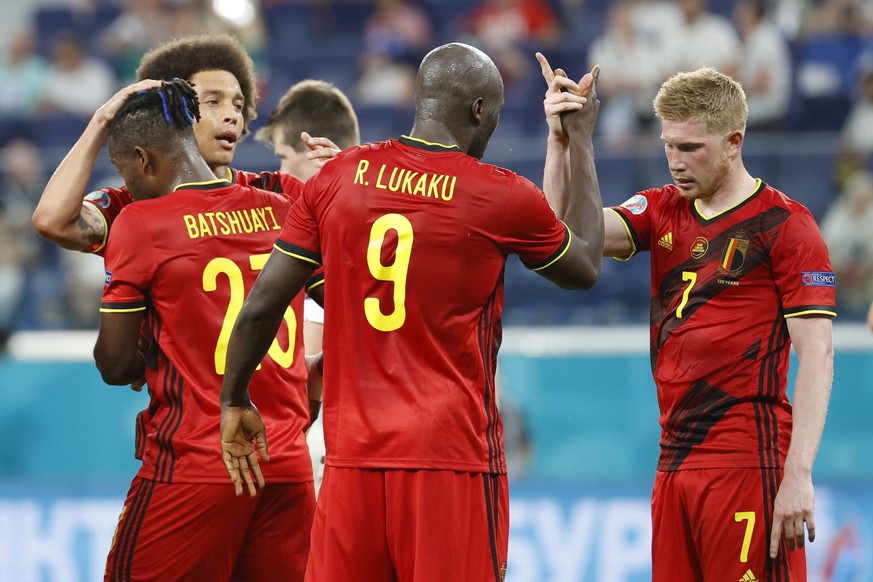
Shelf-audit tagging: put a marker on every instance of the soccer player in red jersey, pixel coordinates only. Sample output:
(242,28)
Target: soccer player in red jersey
(223,75)
(413,234)
(740,272)
(183,262)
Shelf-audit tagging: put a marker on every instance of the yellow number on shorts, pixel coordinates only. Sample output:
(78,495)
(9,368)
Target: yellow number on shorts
(396,272)
(692,278)
(749,518)
(224,266)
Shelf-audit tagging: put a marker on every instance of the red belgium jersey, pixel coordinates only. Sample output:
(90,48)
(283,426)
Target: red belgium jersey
(722,287)
(110,201)
(414,237)
(188,259)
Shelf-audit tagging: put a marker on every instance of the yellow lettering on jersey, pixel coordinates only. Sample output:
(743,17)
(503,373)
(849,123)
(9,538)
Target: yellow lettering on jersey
(379,184)
(451,189)
(191,225)
(359,173)
(407,182)
(233,222)
(246,220)
(225,227)
(432,186)
(421,185)
(258,219)
(394,185)
(275,225)
(211,217)
(204,226)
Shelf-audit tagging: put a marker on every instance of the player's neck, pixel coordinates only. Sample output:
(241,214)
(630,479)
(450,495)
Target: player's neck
(737,187)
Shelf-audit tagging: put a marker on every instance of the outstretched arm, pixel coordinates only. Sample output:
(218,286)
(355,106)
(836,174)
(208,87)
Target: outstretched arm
(795,500)
(573,190)
(241,426)
(60,216)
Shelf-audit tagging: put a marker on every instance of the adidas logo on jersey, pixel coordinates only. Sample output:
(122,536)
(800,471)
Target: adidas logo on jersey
(748,577)
(666,241)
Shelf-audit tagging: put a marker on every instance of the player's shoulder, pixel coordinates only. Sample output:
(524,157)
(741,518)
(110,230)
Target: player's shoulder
(774,197)
(651,198)
(105,198)
(270,180)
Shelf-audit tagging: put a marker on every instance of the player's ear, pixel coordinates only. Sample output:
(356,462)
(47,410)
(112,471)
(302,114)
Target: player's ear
(145,160)
(476,110)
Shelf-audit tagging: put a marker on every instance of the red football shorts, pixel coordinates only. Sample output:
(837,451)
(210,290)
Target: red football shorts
(410,525)
(194,532)
(714,525)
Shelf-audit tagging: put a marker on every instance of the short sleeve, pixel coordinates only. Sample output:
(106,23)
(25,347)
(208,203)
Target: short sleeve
(531,229)
(299,237)
(129,266)
(802,269)
(108,202)
(636,213)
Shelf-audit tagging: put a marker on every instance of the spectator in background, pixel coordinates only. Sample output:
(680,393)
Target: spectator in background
(826,69)
(77,83)
(505,28)
(22,182)
(765,66)
(846,230)
(856,134)
(141,25)
(396,37)
(23,76)
(632,75)
(703,39)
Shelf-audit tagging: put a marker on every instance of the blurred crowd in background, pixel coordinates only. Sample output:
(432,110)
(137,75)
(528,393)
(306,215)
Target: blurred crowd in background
(806,66)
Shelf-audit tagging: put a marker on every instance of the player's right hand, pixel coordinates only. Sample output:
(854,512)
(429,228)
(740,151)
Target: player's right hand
(241,428)
(321,149)
(563,95)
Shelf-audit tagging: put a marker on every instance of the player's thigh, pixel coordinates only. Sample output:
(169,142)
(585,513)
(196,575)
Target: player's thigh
(674,552)
(734,508)
(348,532)
(276,543)
(447,525)
(178,532)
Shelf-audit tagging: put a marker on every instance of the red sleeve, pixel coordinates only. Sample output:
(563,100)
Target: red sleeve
(531,229)
(637,214)
(802,268)
(108,202)
(299,236)
(272,182)
(129,266)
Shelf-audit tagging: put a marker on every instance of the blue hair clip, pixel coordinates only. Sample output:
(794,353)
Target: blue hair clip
(167,115)
(188,114)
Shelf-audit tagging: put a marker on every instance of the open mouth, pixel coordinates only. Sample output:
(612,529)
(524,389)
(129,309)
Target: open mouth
(227,139)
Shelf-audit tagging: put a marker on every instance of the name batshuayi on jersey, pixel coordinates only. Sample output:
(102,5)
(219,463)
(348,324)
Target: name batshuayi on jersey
(189,271)
(414,238)
(722,289)
(109,201)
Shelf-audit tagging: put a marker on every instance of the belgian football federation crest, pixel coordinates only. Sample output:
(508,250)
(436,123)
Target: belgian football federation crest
(734,254)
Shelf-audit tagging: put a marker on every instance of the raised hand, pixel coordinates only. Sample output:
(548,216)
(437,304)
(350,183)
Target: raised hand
(563,95)
(241,428)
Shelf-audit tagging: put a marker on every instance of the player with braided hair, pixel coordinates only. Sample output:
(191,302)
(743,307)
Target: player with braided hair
(180,259)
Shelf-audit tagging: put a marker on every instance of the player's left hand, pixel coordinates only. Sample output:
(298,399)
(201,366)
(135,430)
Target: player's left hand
(321,149)
(792,509)
(241,428)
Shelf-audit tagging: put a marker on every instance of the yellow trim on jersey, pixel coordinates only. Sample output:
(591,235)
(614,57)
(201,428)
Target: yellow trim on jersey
(812,312)
(125,310)
(206,183)
(755,191)
(105,230)
(431,143)
(563,252)
(630,237)
(296,256)
(314,285)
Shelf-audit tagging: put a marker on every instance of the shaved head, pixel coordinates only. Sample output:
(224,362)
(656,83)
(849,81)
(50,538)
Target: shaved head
(460,87)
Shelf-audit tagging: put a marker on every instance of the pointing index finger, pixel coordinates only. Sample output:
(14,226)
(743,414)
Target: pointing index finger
(545,67)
